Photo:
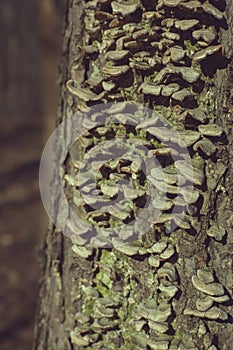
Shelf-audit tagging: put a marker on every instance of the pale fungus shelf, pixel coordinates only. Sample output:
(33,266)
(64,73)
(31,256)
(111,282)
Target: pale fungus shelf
(214,289)
(211,293)
(216,231)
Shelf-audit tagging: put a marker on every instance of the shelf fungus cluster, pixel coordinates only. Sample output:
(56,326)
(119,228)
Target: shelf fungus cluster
(157,315)
(90,328)
(136,170)
(161,54)
(211,294)
(160,251)
(136,49)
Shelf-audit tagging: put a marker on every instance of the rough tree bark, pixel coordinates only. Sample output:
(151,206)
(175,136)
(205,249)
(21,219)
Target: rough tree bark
(72,284)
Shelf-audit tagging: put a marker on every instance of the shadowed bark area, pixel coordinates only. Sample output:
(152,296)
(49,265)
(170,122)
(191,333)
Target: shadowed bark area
(107,301)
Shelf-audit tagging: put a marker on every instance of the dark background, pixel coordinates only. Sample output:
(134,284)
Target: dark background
(31,41)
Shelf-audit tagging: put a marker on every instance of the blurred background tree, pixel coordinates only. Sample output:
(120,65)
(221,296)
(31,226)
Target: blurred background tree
(30,48)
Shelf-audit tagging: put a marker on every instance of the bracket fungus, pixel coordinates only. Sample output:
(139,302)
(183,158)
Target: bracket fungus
(216,231)
(213,313)
(213,288)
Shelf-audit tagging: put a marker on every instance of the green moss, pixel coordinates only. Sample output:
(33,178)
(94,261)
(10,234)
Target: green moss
(191,48)
(130,93)
(91,221)
(89,302)
(96,70)
(104,278)
(114,223)
(107,257)
(207,98)
(178,336)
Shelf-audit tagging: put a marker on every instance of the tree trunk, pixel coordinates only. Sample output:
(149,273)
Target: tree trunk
(112,299)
